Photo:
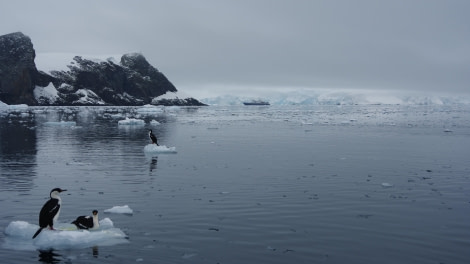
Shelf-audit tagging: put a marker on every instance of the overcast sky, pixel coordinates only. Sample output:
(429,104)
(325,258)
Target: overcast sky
(421,45)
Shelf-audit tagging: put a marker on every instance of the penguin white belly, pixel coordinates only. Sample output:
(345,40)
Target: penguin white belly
(56,216)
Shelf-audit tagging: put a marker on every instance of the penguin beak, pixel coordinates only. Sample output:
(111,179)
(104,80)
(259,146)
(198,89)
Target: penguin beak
(62,190)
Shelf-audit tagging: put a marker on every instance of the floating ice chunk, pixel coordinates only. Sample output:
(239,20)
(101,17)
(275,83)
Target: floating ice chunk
(387,185)
(61,123)
(154,123)
(447,130)
(152,148)
(131,122)
(125,209)
(116,116)
(18,236)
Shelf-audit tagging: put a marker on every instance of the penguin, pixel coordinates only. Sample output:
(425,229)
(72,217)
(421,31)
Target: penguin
(153,138)
(87,222)
(50,211)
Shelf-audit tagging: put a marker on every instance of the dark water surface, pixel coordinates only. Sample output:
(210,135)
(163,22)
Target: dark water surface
(331,184)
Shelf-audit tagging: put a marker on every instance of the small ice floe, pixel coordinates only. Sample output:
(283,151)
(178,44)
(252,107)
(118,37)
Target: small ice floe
(125,209)
(447,130)
(18,236)
(387,185)
(154,123)
(153,148)
(131,122)
(305,123)
(61,123)
(116,116)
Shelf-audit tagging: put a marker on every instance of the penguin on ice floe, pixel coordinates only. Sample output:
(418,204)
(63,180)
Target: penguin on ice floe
(87,222)
(50,211)
(152,137)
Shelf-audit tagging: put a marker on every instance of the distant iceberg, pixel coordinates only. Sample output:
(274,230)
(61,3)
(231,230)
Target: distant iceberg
(341,97)
(131,122)
(149,109)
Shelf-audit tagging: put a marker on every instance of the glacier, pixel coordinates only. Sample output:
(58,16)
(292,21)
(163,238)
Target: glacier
(343,97)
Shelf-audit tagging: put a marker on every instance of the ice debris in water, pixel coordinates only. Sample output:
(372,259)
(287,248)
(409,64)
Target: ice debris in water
(154,123)
(387,185)
(125,209)
(61,123)
(18,236)
(131,122)
(149,109)
(152,148)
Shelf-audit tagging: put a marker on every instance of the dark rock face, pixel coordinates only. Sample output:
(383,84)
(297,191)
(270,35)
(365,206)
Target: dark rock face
(18,73)
(132,81)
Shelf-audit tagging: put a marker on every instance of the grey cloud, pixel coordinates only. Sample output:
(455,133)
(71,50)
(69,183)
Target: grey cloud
(421,44)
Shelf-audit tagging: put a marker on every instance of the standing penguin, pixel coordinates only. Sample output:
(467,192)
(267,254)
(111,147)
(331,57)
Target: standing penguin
(87,222)
(152,137)
(50,211)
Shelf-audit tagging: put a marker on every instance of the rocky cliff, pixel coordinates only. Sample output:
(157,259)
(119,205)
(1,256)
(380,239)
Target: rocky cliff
(18,73)
(131,81)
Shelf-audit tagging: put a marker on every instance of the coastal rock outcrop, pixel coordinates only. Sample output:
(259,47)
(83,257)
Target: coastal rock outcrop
(18,73)
(130,81)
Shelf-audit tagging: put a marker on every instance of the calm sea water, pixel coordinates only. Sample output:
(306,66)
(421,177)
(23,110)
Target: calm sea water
(296,184)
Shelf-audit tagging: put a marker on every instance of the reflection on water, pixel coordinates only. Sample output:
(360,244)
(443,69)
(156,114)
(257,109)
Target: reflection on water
(52,256)
(153,163)
(17,151)
(49,256)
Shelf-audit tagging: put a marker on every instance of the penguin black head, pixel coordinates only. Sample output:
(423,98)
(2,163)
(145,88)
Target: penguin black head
(150,130)
(95,212)
(57,190)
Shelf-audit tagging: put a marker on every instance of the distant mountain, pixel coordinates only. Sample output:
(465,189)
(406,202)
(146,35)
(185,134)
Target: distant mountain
(131,81)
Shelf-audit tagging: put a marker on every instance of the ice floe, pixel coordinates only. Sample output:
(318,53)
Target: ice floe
(152,148)
(154,123)
(131,122)
(125,209)
(18,236)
